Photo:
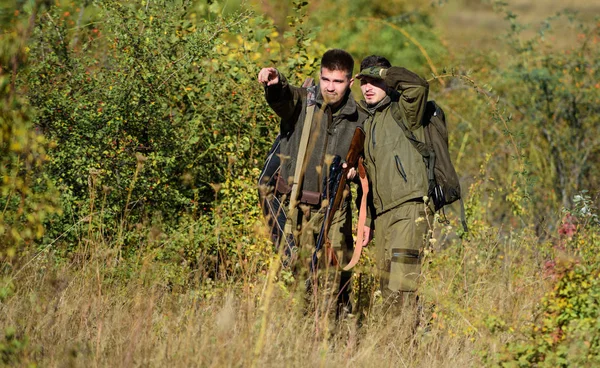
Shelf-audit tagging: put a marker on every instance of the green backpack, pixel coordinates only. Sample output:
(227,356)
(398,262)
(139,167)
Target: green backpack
(444,184)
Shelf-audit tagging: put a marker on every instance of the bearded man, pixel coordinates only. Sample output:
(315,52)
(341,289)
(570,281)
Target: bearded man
(335,119)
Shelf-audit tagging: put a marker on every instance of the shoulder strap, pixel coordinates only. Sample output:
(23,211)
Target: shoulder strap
(427,153)
(297,181)
(463,218)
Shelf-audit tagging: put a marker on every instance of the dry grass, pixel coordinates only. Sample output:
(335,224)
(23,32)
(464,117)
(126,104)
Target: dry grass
(92,314)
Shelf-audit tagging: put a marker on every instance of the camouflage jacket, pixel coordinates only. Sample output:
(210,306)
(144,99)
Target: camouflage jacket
(331,133)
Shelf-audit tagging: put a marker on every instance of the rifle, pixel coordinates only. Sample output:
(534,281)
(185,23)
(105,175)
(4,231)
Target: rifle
(333,190)
(270,197)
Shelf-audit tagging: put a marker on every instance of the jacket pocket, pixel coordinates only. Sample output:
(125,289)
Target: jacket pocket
(400,168)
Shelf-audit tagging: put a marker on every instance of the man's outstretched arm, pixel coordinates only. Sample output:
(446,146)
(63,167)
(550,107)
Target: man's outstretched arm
(283,98)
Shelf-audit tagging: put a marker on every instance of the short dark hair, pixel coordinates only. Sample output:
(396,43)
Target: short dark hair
(337,59)
(374,60)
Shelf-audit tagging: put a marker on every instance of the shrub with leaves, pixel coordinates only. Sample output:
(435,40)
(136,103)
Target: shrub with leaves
(27,198)
(149,107)
(568,331)
(555,97)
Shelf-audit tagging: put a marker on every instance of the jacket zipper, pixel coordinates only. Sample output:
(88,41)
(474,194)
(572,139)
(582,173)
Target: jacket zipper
(373,131)
(400,168)
(373,160)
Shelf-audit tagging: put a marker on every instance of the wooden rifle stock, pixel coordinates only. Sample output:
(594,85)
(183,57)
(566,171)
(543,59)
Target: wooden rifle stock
(354,153)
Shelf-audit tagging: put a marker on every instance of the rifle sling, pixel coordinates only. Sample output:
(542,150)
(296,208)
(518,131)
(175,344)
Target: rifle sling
(362,216)
(297,181)
(298,175)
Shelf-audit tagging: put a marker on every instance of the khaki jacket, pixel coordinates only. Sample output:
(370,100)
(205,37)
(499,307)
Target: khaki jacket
(396,170)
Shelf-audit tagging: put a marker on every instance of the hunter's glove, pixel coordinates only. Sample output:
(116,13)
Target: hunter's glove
(377,72)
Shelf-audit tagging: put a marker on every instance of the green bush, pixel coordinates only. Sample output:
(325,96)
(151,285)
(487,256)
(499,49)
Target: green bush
(156,128)
(148,108)
(568,331)
(13,349)
(556,100)
(27,196)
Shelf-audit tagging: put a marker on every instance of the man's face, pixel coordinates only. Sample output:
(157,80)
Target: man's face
(334,84)
(373,90)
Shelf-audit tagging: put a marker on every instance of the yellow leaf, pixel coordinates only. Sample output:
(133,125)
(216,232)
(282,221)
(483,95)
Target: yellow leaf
(16,146)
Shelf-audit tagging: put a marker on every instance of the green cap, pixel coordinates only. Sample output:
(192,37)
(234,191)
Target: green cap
(377,72)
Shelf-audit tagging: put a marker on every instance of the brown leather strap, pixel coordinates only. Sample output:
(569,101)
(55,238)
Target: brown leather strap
(362,216)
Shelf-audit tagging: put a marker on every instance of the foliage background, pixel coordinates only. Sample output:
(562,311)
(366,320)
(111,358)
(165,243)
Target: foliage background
(132,134)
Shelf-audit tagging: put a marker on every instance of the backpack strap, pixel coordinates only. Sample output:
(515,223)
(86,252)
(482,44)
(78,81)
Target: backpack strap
(308,82)
(463,218)
(427,153)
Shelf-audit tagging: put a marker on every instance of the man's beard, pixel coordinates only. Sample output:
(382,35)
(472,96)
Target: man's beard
(331,99)
(335,100)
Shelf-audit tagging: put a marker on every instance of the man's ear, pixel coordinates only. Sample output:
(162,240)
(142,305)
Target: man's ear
(351,82)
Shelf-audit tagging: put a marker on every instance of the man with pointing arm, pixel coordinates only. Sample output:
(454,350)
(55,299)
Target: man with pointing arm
(332,125)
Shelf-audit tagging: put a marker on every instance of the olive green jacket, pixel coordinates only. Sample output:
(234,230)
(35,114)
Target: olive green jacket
(331,133)
(396,170)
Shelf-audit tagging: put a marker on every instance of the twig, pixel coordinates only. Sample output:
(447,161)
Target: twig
(83,219)
(493,104)
(78,25)
(409,37)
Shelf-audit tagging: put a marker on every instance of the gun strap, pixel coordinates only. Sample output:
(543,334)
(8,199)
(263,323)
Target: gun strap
(298,174)
(362,216)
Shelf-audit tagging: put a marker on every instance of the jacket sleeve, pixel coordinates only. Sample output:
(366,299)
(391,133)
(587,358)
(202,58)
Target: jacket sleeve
(286,101)
(413,94)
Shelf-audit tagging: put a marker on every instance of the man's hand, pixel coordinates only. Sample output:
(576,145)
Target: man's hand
(367,236)
(374,72)
(351,172)
(268,76)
